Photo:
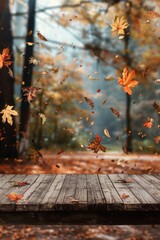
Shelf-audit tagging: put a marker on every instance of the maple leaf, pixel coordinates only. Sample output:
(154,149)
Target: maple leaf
(119,25)
(148,123)
(4,58)
(14,197)
(95,145)
(127,80)
(31,92)
(7,114)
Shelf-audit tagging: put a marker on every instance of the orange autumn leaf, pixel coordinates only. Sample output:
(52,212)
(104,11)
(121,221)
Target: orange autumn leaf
(14,197)
(127,81)
(148,123)
(95,145)
(4,58)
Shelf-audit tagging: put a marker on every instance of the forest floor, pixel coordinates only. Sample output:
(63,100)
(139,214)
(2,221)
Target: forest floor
(62,162)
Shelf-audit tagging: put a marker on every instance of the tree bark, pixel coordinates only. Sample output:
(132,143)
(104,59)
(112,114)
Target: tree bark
(27,76)
(7,132)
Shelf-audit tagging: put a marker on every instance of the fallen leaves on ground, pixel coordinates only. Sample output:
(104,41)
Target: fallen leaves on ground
(127,81)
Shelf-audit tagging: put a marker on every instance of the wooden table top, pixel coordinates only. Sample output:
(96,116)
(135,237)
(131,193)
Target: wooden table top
(118,194)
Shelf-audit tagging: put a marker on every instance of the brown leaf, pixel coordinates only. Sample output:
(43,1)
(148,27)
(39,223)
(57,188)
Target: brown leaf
(90,102)
(41,36)
(115,112)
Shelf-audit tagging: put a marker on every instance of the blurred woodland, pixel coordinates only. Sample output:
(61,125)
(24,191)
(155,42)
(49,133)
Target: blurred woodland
(79,76)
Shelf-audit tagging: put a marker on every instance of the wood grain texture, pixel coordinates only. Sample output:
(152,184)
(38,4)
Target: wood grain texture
(89,199)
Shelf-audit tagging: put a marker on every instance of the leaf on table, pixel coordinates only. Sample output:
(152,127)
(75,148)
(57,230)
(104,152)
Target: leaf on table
(127,81)
(124,195)
(115,112)
(95,144)
(119,25)
(8,112)
(41,36)
(43,117)
(148,123)
(20,184)
(14,197)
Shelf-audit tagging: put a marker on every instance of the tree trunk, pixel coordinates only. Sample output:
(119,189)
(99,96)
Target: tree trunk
(7,132)
(27,77)
(128,97)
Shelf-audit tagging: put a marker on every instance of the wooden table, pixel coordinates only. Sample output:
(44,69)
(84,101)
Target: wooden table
(81,199)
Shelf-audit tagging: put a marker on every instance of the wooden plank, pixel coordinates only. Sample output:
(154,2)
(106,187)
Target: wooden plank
(34,200)
(80,218)
(129,199)
(49,200)
(19,190)
(146,200)
(153,180)
(67,193)
(148,186)
(113,200)
(5,178)
(96,199)
(81,193)
(22,205)
(7,188)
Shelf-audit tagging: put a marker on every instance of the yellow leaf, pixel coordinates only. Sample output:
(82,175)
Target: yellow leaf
(43,117)
(119,25)
(106,132)
(7,114)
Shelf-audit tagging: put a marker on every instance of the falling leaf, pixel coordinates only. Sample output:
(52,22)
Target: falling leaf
(148,123)
(4,58)
(156,107)
(153,14)
(43,117)
(55,70)
(115,112)
(33,61)
(127,80)
(90,102)
(109,78)
(95,145)
(124,148)
(14,197)
(41,36)
(92,78)
(7,114)
(157,139)
(31,92)
(106,132)
(10,73)
(119,25)
(30,43)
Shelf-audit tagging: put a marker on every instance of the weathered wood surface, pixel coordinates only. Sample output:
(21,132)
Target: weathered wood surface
(81,199)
